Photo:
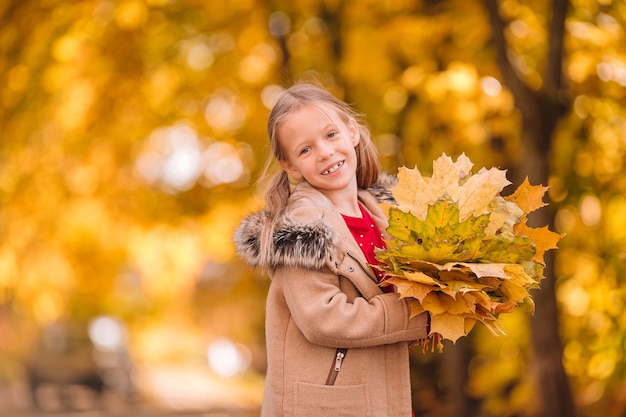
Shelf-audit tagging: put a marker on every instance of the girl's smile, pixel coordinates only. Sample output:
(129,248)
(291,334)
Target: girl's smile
(333,168)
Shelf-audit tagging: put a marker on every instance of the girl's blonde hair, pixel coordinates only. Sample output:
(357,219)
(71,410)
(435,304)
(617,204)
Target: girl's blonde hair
(307,93)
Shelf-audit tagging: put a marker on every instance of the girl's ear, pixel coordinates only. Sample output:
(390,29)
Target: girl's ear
(290,170)
(355,134)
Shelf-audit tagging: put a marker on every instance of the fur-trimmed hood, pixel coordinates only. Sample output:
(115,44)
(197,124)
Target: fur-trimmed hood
(295,242)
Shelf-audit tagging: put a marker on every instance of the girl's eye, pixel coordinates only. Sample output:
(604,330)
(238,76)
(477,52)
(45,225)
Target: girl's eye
(331,135)
(305,150)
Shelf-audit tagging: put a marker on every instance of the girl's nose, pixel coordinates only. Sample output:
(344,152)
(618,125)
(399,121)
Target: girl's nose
(326,150)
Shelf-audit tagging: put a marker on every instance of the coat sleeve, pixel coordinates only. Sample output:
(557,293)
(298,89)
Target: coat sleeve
(325,316)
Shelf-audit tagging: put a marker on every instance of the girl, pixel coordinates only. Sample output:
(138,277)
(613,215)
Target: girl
(336,342)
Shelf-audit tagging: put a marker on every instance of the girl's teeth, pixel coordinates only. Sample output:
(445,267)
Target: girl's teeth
(333,169)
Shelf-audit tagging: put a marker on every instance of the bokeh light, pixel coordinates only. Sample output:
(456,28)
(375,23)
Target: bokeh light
(227,358)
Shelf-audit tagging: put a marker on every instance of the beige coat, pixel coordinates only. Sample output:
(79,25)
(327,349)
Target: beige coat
(323,295)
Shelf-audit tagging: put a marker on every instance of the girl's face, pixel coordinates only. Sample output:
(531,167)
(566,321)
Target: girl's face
(320,147)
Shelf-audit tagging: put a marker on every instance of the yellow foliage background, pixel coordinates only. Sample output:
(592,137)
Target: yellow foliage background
(132,133)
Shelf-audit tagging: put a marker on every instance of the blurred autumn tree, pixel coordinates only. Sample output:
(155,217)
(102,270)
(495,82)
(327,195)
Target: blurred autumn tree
(132,132)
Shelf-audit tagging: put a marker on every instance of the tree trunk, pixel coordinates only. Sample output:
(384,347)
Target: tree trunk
(553,387)
(541,112)
(456,363)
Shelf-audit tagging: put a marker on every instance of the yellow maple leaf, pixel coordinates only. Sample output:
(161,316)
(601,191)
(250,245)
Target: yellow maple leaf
(421,277)
(459,302)
(517,274)
(503,215)
(496,221)
(409,289)
(446,174)
(449,326)
(469,324)
(463,287)
(410,193)
(456,274)
(482,270)
(426,266)
(475,195)
(432,304)
(494,327)
(472,193)
(512,291)
(439,302)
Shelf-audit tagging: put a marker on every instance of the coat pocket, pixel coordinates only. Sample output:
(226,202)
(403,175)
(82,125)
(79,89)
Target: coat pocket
(312,400)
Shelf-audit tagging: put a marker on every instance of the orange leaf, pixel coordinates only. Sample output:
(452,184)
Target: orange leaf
(416,307)
(543,238)
(506,307)
(528,197)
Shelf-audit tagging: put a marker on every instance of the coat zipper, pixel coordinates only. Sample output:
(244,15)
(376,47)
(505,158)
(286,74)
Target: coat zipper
(336,366)
(341,352)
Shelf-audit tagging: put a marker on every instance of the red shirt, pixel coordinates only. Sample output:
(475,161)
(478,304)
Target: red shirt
(368,236)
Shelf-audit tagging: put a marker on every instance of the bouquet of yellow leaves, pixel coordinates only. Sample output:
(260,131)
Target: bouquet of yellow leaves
(460,250)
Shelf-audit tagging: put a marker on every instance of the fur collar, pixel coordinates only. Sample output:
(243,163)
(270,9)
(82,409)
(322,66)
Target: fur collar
(298,244)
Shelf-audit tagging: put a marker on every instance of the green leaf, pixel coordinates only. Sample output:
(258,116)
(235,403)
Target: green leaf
(507,249)
(404,226)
